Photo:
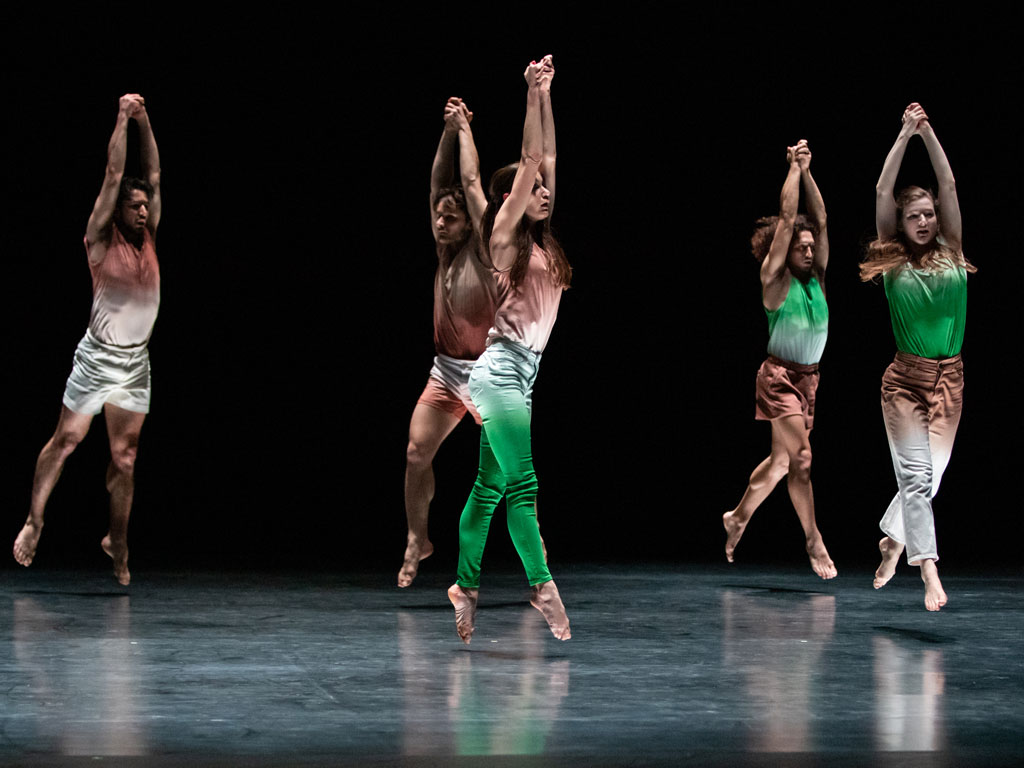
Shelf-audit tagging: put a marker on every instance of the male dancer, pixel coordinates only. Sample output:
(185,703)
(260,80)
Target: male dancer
(111,368)
(464,304)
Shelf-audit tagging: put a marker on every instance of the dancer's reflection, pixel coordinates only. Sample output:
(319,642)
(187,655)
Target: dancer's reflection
(909,685)
(93,675)
(778,648)
(503,701)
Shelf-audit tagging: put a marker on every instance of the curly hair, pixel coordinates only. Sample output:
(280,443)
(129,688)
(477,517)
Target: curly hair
(890,253)
(764,233)
(526,233)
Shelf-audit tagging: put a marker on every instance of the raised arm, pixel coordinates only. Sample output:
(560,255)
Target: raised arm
(150,157)
(469,166)
(98,228)
(547,122)
(949,206)
(441,170)
(885,202)
(816,207)
(774,264)
(503,244)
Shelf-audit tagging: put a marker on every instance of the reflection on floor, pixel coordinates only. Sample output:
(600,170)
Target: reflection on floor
(694,666)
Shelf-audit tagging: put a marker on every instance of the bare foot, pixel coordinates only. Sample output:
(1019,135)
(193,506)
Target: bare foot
(934,595)
(119,554)
(891,551)
(821,563)
(414,552)
(733,531)
(545,598)
(464,599)
(25,544)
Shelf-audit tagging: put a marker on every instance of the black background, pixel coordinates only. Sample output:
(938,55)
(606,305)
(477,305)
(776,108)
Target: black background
(295,330)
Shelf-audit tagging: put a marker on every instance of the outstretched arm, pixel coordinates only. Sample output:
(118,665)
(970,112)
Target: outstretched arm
(150,166)
(774,265)
(98,227)
(547,122)
(441,170)
(949,205)
(816,207)
(469,166)
(885,203)
(503,245)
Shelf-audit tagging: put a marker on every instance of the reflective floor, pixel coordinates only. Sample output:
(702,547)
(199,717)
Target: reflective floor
(741,666)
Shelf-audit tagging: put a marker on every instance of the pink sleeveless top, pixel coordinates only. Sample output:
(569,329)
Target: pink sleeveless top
(125,291)
(527,314)
(465,298)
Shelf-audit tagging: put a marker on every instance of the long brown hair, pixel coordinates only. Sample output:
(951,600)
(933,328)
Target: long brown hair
(525,234)
(889,253)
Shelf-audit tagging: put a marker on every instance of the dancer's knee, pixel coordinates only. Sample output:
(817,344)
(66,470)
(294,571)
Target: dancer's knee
(800,464)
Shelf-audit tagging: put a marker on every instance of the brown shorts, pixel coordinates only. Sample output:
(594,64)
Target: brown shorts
(786,389)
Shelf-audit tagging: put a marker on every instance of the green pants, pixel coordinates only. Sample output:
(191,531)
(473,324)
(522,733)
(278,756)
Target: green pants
(501,385)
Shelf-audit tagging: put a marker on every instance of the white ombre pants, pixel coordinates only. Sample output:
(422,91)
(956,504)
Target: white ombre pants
(921,402)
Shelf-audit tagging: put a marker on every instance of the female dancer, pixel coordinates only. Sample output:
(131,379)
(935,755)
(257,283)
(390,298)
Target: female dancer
(532,272)
(919,255)
(794,254)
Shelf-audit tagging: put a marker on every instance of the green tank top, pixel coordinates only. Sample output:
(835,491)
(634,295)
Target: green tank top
(798,329)
(928,310)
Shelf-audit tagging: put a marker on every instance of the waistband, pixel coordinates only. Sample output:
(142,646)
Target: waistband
(515,347)
(798,367)
(927,363)
(459,361)
(128,349)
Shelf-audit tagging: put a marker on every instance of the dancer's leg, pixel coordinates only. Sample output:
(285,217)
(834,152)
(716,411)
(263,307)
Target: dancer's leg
(123,429)
(71,430)
(795,437)
(488,488)
(762,482)
(428,428)
(501,384)
(474,524)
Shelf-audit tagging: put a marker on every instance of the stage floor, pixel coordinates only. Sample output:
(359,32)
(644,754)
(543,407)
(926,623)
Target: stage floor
(668,665)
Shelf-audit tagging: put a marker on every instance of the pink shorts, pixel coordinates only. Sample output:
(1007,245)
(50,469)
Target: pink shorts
(448,387)
(786,389)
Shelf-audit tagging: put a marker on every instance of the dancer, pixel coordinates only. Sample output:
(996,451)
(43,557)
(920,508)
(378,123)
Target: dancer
(465,298)
(532,273)
(794,254)
(111,367)
(919,255)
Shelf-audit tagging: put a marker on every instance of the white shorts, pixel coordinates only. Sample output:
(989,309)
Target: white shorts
(448,387)
(106,374)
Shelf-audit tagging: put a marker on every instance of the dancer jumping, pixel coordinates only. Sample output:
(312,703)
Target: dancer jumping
(111,367)
(919,255)
(794,254)
(465,299)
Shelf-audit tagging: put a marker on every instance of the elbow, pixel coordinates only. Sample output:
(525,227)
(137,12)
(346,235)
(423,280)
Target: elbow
(532,157)
(113,176)
(153,177)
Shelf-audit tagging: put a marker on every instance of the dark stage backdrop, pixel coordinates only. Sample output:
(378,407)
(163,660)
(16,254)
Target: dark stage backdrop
(295,330)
